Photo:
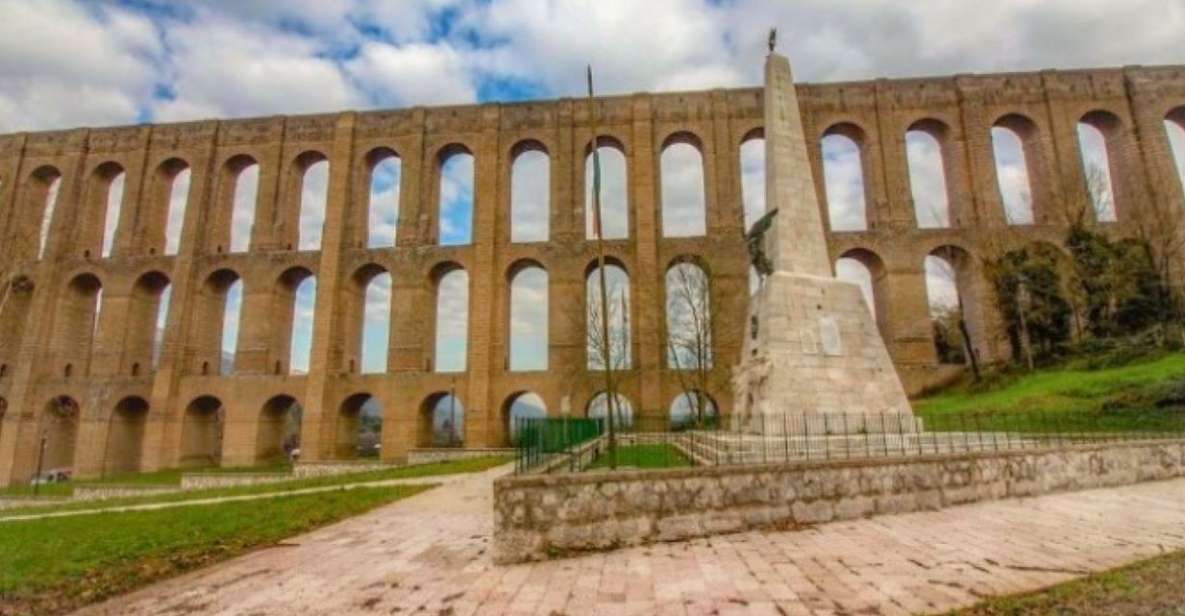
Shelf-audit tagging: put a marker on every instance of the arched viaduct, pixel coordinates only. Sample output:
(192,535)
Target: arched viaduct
(124,390)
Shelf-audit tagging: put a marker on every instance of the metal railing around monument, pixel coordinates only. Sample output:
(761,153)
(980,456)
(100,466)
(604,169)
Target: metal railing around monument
(553,444)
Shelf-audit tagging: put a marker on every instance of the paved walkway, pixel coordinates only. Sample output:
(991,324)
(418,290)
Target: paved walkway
(429,554)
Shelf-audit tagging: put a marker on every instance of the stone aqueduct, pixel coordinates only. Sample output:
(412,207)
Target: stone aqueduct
(136,413)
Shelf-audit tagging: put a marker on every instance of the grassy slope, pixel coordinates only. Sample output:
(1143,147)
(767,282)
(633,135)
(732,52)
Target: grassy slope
(1148,587)
(1123,397)
(403,472)
(55,565)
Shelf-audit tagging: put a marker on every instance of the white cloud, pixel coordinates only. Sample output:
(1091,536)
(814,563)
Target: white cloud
(852,270)
(528,320)
(927,180)
(452,321)
(224,68)
(456,200)
(111,213)
(942,289)
(413,74)
(63,64)
(1012,175)
(682,177)
(243,210)
(530,199)
(178,201)
(376,324)
(301,343)
(257,57)
(313,195)
(844,183)
(753,179)
(383,213)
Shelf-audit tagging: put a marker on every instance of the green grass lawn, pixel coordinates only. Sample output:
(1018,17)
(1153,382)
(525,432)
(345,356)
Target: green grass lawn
(1145,395)
(1148,587)
(644,456)
(54,565)
(469,465)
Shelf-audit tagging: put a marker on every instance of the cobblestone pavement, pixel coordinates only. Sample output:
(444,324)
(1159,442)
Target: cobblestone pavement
(430,554)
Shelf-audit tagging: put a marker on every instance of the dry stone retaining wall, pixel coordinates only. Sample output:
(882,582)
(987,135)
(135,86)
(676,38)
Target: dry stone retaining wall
(538,517)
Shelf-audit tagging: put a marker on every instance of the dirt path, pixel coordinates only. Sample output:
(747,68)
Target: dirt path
(429,554)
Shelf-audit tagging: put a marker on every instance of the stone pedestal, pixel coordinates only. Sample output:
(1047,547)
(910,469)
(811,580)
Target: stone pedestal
(812,348)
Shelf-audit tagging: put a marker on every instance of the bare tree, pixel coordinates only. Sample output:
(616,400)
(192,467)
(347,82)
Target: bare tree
(607,338)
(689,334)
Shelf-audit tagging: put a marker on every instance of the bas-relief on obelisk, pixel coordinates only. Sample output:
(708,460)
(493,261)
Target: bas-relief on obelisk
(811,346)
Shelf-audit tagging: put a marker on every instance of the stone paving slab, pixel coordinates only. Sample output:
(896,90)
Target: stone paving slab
(430,554)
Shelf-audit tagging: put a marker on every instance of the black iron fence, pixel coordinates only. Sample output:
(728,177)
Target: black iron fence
(568,444)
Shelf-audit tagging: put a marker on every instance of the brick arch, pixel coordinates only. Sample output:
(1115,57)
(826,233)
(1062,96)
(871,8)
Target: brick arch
(428,418)
(685,136)
(524,263)
(361,218)
(74,322)
(36,211)
(854,133)
(596,406)
(353,305)
(354,439)
(851,129)
(757,132)
(529,144)
(442,156)
(610,260)
(508,421)
(437,275)
(125,436)
(974,294)
(606,139)
(539,220)
(155,206)
(282,316)
(141,336)
(59,423)
(687,402)
(14,310)
(207,314)
(879,277)
(221,217)
(202,425)
(278,428)
(683,208)
(535,312)
(287,215)
(95,205)
(695,259)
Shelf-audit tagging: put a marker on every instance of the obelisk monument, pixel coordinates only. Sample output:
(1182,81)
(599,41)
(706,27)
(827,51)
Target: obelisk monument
(811,346)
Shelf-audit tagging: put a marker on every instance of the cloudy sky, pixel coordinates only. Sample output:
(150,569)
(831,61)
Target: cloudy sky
(69,63)
(66,63)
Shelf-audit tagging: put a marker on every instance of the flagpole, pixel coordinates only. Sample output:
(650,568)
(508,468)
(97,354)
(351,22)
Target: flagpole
(598,230)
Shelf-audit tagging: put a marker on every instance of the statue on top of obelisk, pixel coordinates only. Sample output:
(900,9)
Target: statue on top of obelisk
(811,346)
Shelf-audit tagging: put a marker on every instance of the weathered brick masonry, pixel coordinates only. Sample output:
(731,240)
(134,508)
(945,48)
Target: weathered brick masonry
(155,415)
